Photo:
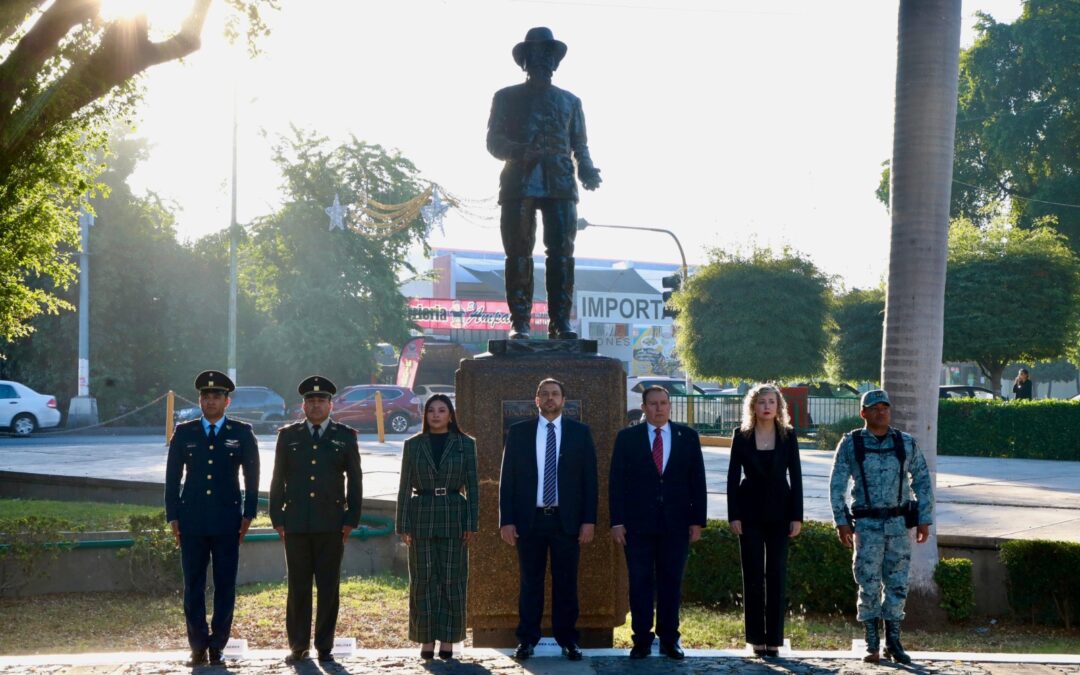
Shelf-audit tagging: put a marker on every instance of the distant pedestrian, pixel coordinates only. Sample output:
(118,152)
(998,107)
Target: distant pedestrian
(208,515)
(765,509)
(883,475)
(1022,386)
(437,513)
(315,497)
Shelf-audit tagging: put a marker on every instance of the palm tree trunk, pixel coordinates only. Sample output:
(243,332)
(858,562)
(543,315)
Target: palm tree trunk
(927,68)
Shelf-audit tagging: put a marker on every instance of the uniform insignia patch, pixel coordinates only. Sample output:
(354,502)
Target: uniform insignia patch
(232,443)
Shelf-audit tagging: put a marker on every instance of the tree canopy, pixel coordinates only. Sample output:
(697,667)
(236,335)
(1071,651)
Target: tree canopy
(856,348)
(1018,121)
(1011,295)
(67,74)
(760,317)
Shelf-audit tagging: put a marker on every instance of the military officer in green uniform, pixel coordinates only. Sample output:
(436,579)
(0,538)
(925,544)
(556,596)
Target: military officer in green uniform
(207,514)
(876,470)
(315,497)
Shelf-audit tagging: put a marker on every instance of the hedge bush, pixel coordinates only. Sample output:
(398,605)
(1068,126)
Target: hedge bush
(1042,578)
(829,435)
(1043,429)
(819,577)
(954,580)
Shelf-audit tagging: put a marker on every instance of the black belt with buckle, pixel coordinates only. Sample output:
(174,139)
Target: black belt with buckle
(437,492)
(547,510)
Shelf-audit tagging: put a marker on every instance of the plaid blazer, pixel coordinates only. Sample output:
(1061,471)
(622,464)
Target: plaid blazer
(420,513)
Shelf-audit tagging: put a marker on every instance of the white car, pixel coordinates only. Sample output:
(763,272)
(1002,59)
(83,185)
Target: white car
(710,410)
(426,391)
(24,411)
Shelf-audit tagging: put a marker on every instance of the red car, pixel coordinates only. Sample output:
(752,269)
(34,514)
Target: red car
(355,406)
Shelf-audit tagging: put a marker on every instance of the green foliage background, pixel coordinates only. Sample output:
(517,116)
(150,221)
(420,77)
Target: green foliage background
(1042,429)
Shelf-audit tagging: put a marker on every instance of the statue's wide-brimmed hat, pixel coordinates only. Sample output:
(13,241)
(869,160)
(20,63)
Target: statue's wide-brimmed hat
(542,35)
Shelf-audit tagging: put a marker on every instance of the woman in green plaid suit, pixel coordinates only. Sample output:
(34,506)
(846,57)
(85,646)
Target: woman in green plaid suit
(437,512)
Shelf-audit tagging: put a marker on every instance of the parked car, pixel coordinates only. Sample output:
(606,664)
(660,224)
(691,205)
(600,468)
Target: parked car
(965,391)
(355,406)
(23,411)
(710,409)
(426,391)
(261,407)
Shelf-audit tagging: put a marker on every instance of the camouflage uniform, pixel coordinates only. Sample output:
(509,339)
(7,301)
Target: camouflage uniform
(882,545)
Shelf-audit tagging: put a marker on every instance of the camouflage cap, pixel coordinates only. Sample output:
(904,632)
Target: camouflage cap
(875,396)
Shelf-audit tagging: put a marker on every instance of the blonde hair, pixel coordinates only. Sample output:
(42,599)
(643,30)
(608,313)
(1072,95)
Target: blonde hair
(783,419)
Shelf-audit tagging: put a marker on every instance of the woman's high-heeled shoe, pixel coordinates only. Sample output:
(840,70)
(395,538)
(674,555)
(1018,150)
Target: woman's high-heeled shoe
(428,653)
(772,651)
(446,653)
(759,651)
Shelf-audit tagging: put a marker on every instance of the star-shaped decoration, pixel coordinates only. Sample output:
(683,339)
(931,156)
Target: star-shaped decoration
(337,215)
(435,210)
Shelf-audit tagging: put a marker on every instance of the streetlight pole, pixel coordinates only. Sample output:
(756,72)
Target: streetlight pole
(82,410)
(232,258)
(582,224)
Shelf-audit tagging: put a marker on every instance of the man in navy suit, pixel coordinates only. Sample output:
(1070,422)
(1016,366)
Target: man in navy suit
(206,515)
(547,503)
(657,494)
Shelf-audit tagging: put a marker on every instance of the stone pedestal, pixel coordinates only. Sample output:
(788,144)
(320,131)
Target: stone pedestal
(495,390)
(82,412)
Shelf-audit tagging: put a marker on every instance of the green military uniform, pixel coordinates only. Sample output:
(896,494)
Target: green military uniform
(315,491)
(883,547)
(437,502)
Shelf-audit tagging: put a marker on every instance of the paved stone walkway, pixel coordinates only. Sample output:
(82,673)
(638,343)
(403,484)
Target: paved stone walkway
(483,661)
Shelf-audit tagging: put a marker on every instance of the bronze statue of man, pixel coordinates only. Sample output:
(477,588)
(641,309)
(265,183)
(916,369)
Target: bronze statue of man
(539,131)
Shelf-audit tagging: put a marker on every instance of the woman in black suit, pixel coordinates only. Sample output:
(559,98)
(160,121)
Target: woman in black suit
(765,509)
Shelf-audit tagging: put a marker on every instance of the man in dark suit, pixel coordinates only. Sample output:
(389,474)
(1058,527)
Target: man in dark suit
(657,493)
(315,497)
(205,513)
(547,503)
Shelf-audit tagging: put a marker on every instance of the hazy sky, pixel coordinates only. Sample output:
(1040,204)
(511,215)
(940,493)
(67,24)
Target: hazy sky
(726,122)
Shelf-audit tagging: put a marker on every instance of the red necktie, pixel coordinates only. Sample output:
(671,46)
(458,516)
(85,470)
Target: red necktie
(658,452)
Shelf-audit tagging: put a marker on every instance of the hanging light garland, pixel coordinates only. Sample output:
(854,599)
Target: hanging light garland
(373,218)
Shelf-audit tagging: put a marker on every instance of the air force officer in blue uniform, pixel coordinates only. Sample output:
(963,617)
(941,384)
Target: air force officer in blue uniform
(207,513)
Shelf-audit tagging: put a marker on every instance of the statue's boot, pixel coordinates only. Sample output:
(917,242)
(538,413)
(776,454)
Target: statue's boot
(873,641)
(893,649)
(560,293)
(518,273)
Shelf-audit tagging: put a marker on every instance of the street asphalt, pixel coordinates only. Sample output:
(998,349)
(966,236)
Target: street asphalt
(1006,498)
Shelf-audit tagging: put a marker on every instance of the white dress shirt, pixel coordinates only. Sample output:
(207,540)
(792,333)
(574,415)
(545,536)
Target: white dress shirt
(665,434)
(541,453)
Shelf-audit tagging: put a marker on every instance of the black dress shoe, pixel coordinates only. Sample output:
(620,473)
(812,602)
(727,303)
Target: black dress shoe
(296,656)
(572,652)
(198,658)
(523,651)
(325,656)
(216,658)
(427,653)
(640,651)
(672,651)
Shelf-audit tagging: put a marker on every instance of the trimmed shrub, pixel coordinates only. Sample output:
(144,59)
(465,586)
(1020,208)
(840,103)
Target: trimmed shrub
(829,435)
(819,577)
(982,428)
(154,557)
(25,543)
(954,580)
(1043,583)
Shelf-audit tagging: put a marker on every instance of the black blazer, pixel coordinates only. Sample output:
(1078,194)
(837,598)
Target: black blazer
(647,503)
(771,491)
(577,477)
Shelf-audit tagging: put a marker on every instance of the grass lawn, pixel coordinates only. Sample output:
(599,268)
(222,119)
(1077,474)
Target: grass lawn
(375,610)
(89,516)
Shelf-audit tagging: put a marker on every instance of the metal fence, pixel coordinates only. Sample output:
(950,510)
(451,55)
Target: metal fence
(720,414)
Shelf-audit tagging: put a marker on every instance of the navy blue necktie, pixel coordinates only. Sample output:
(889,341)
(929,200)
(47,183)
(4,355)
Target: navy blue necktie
(315,433)
(212,435)
(550,467)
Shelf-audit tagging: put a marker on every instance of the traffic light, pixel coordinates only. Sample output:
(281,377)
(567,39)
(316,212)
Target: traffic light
(673,282)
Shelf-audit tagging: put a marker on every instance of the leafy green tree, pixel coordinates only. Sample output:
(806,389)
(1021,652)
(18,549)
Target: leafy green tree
(329,295)
(66,74)
(1018,121)
(760,317)
(1012,295)
(856,349)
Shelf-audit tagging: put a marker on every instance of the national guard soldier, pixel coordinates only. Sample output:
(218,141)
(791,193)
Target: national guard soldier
(315,497)
(206,515)
(880,467)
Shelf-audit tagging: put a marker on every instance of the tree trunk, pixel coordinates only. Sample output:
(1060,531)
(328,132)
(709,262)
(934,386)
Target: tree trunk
(927,68)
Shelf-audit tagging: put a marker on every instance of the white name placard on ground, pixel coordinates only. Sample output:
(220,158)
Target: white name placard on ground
(344,646)
(235,648)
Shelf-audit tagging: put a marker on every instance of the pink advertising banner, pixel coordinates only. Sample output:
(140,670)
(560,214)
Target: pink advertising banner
(469,314)
(409,362)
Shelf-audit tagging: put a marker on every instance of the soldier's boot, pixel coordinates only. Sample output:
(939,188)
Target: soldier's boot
(518,274)
(893,649)
(560,293)
(873,641)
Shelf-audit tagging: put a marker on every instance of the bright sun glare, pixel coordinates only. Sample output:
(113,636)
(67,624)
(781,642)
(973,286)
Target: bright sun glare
(164,15)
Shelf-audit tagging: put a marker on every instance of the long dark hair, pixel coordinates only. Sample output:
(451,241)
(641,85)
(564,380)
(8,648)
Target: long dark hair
(449,406)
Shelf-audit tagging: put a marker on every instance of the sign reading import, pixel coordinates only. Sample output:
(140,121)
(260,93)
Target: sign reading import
(621,307)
